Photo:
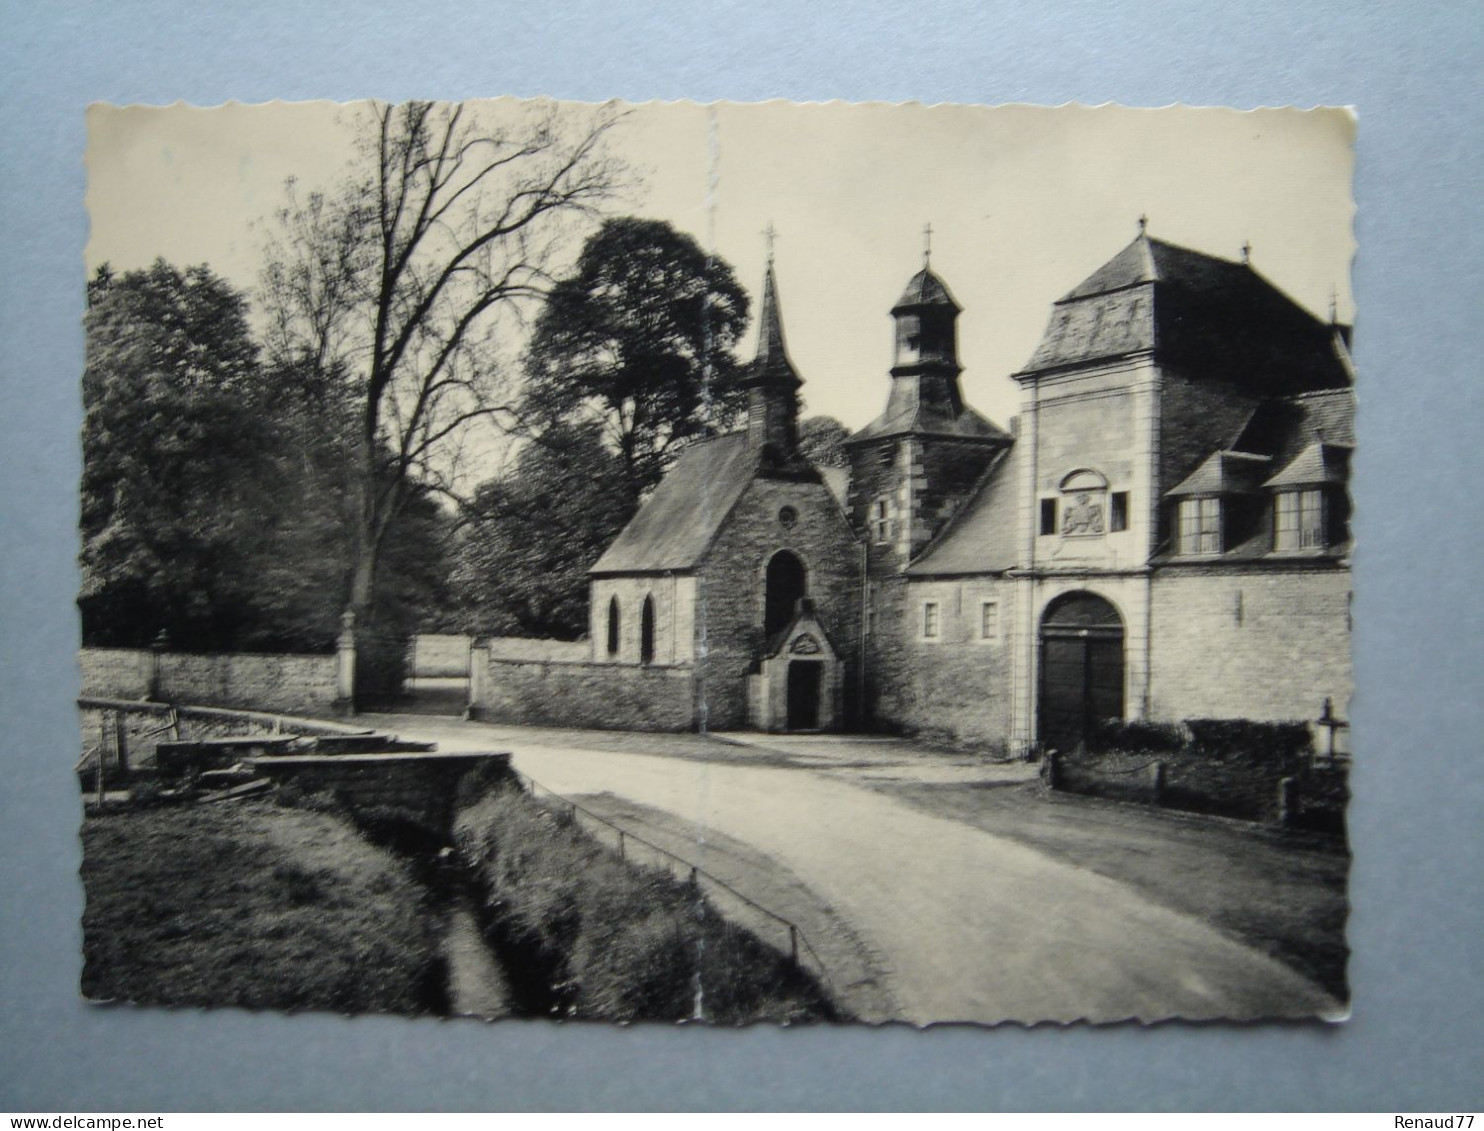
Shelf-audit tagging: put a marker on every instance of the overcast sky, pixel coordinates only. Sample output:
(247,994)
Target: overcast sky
(1024,203)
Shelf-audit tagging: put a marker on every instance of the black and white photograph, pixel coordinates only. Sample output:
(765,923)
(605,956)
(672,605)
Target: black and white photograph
(785,563)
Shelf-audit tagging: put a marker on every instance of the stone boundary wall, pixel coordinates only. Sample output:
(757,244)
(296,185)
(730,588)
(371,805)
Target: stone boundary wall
(439,654)
(122,673)
(531,648)
(1266,790)
(296,684)
(586,694)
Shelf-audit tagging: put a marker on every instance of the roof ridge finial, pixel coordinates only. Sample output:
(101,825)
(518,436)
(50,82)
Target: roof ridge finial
(769,235)
(1334,306)
(927,246)
(1143,223)
(1247,253)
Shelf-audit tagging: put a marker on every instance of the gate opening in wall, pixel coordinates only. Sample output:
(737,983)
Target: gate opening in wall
(438,674)
(1082,669)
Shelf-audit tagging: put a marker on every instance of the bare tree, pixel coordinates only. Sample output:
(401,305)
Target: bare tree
(392,290)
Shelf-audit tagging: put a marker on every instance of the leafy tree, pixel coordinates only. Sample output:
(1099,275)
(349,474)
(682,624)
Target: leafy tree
(523,561)
(822,441)
(175,457)
(397,282)
(639,339)
(216,501)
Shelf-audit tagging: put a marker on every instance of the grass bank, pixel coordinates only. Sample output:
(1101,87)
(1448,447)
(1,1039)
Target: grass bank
(250,904)
(584,934)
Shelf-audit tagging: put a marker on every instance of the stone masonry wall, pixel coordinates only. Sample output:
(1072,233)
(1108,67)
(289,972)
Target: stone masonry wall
(1266,645)
(924,482)
(730,595)
(959,684)
(302,684)
(611,696)
(121,673)
(672,596)
(296,683)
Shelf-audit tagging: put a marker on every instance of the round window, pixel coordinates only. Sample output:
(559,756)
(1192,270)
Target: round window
(787,517)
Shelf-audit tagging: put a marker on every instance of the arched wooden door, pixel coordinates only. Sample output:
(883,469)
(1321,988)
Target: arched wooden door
(1081,669)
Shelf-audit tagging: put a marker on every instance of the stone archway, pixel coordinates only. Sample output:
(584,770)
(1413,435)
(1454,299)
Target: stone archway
(785,582)
(1082,669)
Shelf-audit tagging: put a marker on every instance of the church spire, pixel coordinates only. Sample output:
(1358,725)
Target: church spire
(771,381)
(771,359)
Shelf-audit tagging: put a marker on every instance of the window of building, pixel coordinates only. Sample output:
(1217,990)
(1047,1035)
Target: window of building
(613,626)
(646,632)
(1299,520)
(931,620)
(881,520)
(1048,516)
(1199,526)
(989,620)
(787,516)
(1118,511)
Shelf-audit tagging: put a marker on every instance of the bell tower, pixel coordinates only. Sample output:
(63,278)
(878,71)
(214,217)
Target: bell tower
(913,465)
(911,469)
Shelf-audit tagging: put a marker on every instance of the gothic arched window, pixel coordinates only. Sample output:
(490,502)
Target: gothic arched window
(613,627)
(646,632)
(786,582)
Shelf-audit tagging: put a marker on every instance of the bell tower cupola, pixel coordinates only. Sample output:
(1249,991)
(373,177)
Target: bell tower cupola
(926,319)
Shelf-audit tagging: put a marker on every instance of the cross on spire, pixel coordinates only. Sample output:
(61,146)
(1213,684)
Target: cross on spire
(1247,252)
(769,235)
(1143,223)
(927,245)
(1334,306)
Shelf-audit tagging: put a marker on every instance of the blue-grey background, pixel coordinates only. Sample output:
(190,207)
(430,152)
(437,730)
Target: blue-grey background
(1413,72)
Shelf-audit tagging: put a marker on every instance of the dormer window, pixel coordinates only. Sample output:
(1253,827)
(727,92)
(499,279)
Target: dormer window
(1198,526)
(1310,510)
(1299,520)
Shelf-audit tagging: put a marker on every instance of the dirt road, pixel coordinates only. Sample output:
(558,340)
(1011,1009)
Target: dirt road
(964,925)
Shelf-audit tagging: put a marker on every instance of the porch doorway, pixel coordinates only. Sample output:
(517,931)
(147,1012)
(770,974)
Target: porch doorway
(805,685)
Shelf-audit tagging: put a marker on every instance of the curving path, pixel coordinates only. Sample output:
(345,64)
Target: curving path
(969,926)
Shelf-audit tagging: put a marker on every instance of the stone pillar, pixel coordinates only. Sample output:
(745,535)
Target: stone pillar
(345,665)
(479,674)
(157,648)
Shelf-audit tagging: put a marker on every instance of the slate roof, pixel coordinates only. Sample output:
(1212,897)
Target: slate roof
(1316,465)
(925,289)
(1211,316)
(1284,427)
(1224,473)
(906,414)
(983,536)
(677,523)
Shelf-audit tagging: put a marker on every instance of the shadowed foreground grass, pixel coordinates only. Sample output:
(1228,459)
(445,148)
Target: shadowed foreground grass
(253,905)
(584,934)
